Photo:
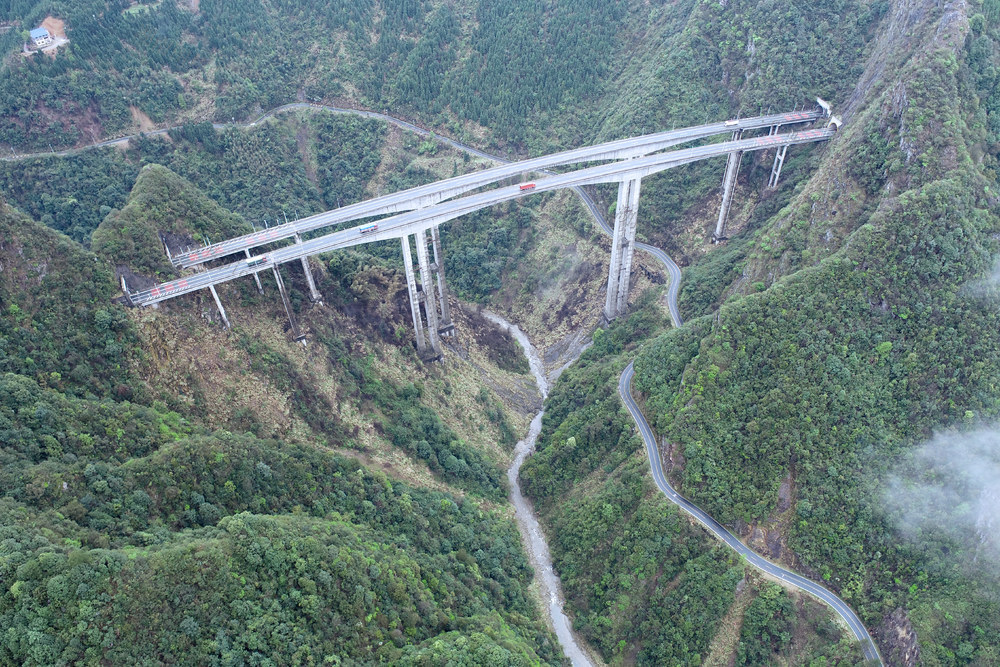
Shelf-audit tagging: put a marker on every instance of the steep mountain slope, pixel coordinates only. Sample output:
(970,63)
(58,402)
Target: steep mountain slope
(135,530)
(788,413)
(162,208)
(842,324)
(58,323)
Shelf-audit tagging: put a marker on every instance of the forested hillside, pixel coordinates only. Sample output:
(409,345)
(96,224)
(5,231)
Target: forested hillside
(849,322)
(173,492)
(164,503)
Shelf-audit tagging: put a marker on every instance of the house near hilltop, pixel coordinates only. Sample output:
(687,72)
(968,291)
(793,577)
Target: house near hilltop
(40,38)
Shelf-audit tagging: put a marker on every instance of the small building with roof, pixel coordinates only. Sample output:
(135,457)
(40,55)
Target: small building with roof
(40,37)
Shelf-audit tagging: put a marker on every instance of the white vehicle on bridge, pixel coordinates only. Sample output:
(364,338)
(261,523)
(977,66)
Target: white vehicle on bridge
(259,260)
(368,229)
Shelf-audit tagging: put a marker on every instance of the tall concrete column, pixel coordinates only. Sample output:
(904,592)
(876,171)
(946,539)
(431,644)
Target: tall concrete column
(779,161)
(296,334)
(313,292)
(218,302)
(411,286)
(447,327)
(631,215)
(430,307)
(622,246)
(256,277)
(728,184)
(615,264)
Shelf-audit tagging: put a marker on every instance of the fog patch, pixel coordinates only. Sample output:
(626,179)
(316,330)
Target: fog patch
(945,499)
(985,289)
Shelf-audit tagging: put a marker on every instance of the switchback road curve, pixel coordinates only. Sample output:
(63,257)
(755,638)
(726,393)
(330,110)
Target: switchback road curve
(733,542)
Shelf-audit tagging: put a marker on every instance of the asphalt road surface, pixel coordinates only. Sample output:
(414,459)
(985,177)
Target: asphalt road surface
(714,527)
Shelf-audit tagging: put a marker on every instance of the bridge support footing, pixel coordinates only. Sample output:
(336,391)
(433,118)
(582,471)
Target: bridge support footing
(218,303)
(622,249)
(728,185)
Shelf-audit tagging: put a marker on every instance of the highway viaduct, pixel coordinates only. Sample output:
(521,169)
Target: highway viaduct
(418,213)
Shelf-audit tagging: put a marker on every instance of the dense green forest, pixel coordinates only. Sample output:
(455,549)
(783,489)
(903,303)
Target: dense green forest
(822,367)
(446,64)
(261,174)
(663,585)
(832,375)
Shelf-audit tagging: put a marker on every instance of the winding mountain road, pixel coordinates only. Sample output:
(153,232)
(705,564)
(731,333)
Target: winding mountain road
(733,542)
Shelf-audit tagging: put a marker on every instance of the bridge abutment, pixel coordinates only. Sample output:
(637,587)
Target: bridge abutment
(622,249)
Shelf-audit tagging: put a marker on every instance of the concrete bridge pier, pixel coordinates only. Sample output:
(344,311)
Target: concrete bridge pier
(313,292)
(779,160)
(296,334)
(622,249)
(428,341)
(411,286)
(427,289)
(218,303)
(256,276)
(447,327)
(728,185)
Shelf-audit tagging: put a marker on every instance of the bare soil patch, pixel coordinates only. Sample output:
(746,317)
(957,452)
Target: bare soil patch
(56,27)
(142,120)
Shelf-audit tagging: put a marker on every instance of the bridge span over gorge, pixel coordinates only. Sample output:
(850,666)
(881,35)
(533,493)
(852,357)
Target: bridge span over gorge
(419,211)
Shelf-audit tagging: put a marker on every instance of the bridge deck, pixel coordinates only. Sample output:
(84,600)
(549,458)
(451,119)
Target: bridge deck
(432,193)
(403,224)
